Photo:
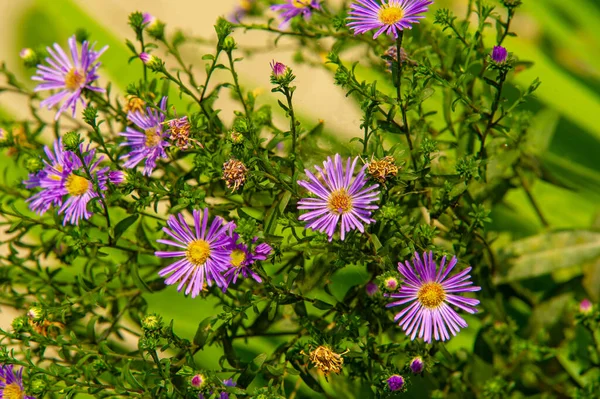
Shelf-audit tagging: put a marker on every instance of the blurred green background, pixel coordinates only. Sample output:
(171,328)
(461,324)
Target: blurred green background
(561,38)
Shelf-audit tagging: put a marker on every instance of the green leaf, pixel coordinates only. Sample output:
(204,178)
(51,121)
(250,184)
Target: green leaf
(319,304)
(251,212)
(252,370)
(137,280)
(546,253)
(124,224)
(202,332)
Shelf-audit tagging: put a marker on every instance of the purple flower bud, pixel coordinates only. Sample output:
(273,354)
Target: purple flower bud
(416,365)
(278,68)
(146,58)
(585,306)
(499,54)
(197,380)
(395,382)
(391,283)
(371,288)
(149,18)
(229,382)
(26,53)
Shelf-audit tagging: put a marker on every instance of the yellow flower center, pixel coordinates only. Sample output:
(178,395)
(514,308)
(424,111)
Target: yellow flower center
(77,185)
(238,257)
(301,3)
(391,14)
(198,252)
(13,391)
(340,201)
(431,295)
(152,138)
(75,79)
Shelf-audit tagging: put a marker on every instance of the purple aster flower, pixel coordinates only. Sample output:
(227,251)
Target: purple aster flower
(395,382)
(242,258)
(293,8)
(499,54)
(147,58)
(64,183)
(148,144)
(277,68)
(11,383)
(69,77)
(431,294)
(340,197)
(205,253)
(416,365)
(387,16)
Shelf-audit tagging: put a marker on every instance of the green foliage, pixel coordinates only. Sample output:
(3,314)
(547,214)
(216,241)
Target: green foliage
(493,167)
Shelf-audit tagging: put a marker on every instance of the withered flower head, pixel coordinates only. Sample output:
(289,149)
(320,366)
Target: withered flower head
(134,104)
(180,132)
(234,174)
(327,360)
(42,327)
(382,169)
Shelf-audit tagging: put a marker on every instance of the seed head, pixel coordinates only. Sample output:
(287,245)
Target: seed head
(382,169)
(234,174)
(326,360)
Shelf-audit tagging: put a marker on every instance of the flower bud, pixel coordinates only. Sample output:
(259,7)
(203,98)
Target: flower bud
(34,165)
(152,323)
(71,141)
(229,44)
(499,54)
(36,313)
(390,283)
(154,63)
(278,70)
(29,57)
(154,27)
(20,324)
(197,381)
(236,137)
(416,365)
(585,306)
(37,386)
(371,288)
(395,382)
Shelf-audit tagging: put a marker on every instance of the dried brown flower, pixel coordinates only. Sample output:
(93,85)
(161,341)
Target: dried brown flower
(180,132)
(382,169)
(134,104)
(327,360)
(234,174)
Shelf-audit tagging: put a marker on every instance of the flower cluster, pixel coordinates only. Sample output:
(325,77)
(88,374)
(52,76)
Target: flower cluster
(209,254)
(69,180)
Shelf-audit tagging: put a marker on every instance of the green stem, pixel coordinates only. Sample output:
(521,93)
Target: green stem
(288,95)
(399,96)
